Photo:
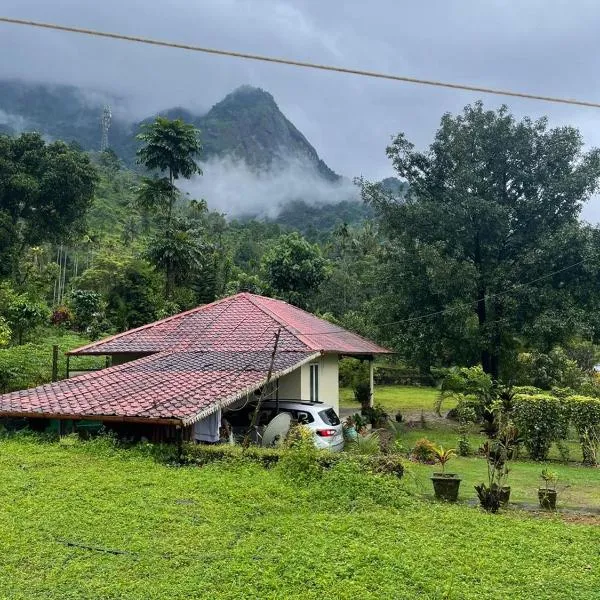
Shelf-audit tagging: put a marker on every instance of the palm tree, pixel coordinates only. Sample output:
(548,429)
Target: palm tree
(171,147)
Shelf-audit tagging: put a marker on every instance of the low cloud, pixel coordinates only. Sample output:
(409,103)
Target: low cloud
(231,187)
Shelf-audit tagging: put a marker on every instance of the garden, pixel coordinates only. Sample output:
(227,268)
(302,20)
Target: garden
(503,447)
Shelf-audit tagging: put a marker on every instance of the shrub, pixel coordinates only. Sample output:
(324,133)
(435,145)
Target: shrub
(353,371)
(376,415)
(383,464)
(424,451)
(362,393)
(549,370)
(463,446)
(541,420)
(585,417)
(201,454)
(300,461)
(368,444)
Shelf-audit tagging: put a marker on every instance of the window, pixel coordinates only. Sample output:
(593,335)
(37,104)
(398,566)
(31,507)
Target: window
(329,417)
(314,383)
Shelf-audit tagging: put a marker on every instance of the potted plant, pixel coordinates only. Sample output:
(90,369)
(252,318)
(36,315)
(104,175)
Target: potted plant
(445,485)
(350,429)
(547,494)
(496,492)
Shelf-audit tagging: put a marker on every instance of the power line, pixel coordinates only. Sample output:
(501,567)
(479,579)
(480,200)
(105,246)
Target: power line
(298,63)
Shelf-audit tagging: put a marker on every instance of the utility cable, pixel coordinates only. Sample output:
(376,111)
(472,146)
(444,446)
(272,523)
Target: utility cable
(299,63)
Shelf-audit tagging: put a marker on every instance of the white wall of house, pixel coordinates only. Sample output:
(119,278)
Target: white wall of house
(296,385)
(290,386)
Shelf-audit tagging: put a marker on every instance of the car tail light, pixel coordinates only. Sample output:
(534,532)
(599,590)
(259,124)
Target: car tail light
(326,432)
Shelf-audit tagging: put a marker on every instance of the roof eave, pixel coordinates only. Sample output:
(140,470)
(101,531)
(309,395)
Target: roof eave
(78,417)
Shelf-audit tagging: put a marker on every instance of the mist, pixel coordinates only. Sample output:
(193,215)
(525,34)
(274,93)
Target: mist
(230,186)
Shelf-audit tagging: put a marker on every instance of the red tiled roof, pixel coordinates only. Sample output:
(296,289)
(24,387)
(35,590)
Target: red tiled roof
(184,386)
(238,323)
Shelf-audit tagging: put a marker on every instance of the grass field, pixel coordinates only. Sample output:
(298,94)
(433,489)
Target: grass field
(87,521)
(403,398)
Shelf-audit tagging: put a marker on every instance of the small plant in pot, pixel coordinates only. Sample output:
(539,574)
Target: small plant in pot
(547,494)
(496,493)
(445,485)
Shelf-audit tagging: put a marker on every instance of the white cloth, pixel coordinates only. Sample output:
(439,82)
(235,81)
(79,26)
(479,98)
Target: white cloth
(207,430)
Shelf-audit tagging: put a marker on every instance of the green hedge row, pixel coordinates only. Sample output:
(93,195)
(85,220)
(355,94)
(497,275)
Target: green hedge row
(543,419)
(200,454)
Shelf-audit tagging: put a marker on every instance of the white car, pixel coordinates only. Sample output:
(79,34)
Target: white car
(321,418)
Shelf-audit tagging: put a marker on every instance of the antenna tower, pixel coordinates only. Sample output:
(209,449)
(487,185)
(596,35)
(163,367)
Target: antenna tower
(106,119)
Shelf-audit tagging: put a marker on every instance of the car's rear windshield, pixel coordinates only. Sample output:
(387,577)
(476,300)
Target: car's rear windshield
(329,417)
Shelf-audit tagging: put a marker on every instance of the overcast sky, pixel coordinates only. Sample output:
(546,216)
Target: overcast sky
(538,46)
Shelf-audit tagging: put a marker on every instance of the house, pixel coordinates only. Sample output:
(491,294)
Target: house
(168,375)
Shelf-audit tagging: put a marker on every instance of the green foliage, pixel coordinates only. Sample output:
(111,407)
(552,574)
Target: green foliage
(362,393)
(424,451)
(5,332)
(134,297)
(464,446)
(352,371)
(88,308)
(443,455)
(178,252)
(541,420)
(294,268)
(171,146)
(484,214)
(376,415)
(546,371)
(470,386)
(300,461)
(585,417)
(24,315)
(368,444)
(45,189)
(30,364)
(549,478)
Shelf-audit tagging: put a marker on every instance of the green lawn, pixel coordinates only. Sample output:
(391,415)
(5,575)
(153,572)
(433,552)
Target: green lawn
(237,531)
(578,486)
(404,398)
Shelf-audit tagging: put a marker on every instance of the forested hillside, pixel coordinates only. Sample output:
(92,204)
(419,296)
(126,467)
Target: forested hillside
(247,124)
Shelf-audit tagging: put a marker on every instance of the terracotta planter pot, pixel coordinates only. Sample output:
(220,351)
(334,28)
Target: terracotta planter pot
(445,486)
(547,498)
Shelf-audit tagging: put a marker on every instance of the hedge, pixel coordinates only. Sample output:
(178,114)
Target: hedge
(543,419)
(200,454)
(584,413)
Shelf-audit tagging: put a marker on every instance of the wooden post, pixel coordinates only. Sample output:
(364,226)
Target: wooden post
(259,403)
(179,433)
(371,382)
(55,363)
(68,366)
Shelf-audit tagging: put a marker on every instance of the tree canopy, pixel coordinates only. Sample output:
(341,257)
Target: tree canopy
(493,204)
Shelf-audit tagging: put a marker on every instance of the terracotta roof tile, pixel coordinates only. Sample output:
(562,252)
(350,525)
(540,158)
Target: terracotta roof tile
(238,323)
(170,385)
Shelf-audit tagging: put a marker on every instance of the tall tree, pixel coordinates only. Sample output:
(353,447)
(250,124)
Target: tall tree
(489,203)
(45,192)
(294,268)
(170,147)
